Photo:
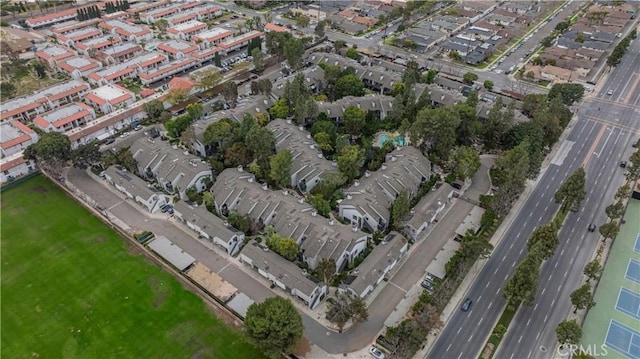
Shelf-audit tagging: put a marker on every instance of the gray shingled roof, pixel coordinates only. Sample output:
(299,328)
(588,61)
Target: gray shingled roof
(132,183)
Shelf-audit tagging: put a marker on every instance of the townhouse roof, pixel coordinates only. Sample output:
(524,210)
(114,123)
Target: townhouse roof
(182,17)
(372,102)
(129,66)
(125,28)
(81,63)
(240,39)
(377,262)
(166,69)
(214,34)
(429,204)
(72,25)
(206,221)
(160,12)
(251,105)
(171,253)
(63,115)
(375,74)
(13,133)
(437,266)
(273,27)
(186,27)
(99,42)
(122,49)
(181,83)
(35,21)
(115,15)
(53,93)
(481,6)
(133,184)
(12,161)
(405,168)
(321,237)
(111,93)
(205,54)
(307,160)
(80,34)
(56,52)
(287,273)
(169,162)
(176,46)
(448,83)
(144,6)
(471,222)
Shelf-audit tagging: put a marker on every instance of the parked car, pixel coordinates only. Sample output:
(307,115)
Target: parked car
(610,92)
(466,305)
(376,353)
(109,141)
(138,128)
(592,228)
(124,135)
(635,144)
(623,164)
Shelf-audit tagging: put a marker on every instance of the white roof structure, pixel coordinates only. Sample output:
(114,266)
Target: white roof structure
(171,253)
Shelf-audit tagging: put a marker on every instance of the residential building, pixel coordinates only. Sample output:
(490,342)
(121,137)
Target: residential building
(368,200)
(174,170)
(177,49)
(283,274)
(167,70)
(15,166)
(118,15)
(128,69)
(51,54)
(126,30)
(273,27)
(141,7)
(154,15)
(119,53)
(70,26)
(378,105)
(79,66)
(135,188)
(186,30)
(290,216)
(15,137)
(51,19)
(314,14)
(308,166)
(437,267)
(107,125)
(382,259)
(518,7)
(427,210)
(557,74)
(109,98)
(65,118)
(96,44)
(239,41)
(207,39)
(83,34)
(202,56)
(209,226)
(25,108)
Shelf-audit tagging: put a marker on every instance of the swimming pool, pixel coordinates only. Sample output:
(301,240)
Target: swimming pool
(396,140)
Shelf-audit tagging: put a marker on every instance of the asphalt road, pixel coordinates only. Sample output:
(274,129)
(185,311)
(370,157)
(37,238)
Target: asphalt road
(563,272)
(600,142)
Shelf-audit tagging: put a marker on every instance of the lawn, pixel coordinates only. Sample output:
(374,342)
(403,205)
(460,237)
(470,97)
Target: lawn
(71,288)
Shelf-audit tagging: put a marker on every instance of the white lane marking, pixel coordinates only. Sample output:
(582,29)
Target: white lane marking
(449,347)
(565,274)
(460,356)
(543,290)
(546,316)
(513,264)
(552,303)
(556,266)
(521,251)
(486,286)
(459,329)
(560,286)
(536,307)
(481,319)
(519,340)
(572,258)
(528,321)
(490,304)
(538,336)
(468,340)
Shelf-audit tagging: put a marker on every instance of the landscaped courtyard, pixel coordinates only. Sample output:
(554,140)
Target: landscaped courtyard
(72,288)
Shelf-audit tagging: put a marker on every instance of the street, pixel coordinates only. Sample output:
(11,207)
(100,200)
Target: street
(601,137)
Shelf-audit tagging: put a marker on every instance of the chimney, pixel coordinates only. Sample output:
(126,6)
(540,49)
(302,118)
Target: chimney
(394,158)
(301,200)
(354,228)
(384,167)
(301,128)
(314,213)
(289,121)
(308,136)
(285,192)
(319,155)
(331,222)
(349,197)
(264,186)
(226,224)
(250,179)
(240,168)
(367,173)
(356,183)
(334,163)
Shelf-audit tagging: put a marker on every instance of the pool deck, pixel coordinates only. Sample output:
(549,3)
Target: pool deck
(596,325)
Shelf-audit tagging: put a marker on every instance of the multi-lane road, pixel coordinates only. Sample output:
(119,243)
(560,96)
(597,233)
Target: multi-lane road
(601,137)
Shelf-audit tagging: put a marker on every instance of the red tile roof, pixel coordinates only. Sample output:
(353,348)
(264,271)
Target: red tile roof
(20,139)
(181,83)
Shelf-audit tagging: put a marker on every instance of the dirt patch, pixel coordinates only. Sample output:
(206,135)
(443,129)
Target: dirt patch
(100,239)
(40,189)
(303,348)
(202,354)
(160,289)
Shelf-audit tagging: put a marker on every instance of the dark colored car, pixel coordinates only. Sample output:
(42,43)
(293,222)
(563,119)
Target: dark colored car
(109,141)
(592,227)
(466,305)
(623,164)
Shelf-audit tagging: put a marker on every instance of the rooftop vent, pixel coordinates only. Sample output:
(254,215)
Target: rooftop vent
(186,153)
(349,196)
(314,213)
(383,167)
(289,121)
(354,228)
(265,187)
(301,128)
(319,155)
(394,158)
(356,183)
(250,179)
(301,200)
(175,147)
(226,224)
(285,192)
(240,168)
(308,136)
(331,222)
(367,173)
(334,163)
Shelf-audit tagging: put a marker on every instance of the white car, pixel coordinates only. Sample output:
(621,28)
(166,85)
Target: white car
(376,353)
(610,92)
(124,134)
(498,71)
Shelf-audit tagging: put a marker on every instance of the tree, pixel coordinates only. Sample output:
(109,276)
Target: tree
(572,191)
(349,85)
(593,270)
(466,162)
(324,141)
(195,110)
(261,143)
(400,208)
(609,230)
(352,53)
(320,27)
(437,129)
(280,109)
(326,269)
(280,164)
(568,92)
(220,134)
(153,108)
(303,21)
(293,51)
(510,174)
(237,154)
(623,192)
(582,298)
(499,122)
(230,93)
(217,60)
(275,326)
(258,59)
(523,284)
(177,95)
(469,78)
(488,84)
(7,89)
(499,331)
(339,44)
(532,133)
(405,339)
(284,246)
(209,78)
(344,307)
(569,332)
(354,120)
(545,240)
(615,211)
(350,161)
(86,155)
(161,25)
(50,152)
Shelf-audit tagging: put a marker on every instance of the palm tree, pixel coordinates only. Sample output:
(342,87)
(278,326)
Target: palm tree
(268,17)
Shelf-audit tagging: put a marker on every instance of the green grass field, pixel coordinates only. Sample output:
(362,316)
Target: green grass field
(71,289)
